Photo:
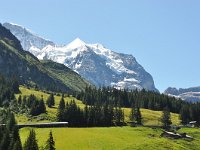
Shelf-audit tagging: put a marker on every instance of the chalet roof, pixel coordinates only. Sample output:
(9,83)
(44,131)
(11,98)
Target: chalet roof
(192,122)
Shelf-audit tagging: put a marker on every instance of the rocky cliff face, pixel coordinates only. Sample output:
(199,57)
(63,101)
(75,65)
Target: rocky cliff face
(29,41)
(94,62)
(190,94)
(14,61)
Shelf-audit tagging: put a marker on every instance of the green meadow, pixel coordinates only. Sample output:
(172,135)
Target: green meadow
(149,117)
(113,138)
(110,138)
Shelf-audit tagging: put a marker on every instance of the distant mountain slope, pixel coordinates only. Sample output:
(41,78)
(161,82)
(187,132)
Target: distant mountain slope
(70,78)
(29,41)
(94,62)
(190,94)
(14,61)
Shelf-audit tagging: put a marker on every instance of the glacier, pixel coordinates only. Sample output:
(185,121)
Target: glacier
(96,63)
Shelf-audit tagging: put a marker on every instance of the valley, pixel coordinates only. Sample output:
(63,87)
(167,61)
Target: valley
(138,138)
(99,75)
(106,137)
(94,62)
(107,98)
(150,117)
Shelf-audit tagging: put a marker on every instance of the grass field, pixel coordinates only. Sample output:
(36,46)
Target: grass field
(149,117)
(51,112)
(114,138)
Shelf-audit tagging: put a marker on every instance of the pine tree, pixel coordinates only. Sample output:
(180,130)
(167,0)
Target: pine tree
(17,145)
(51,100)
(20,100)
(135,115)
(24,101)
(86,115)
(62,103)
(33,109)
(138,116)
(5,142)
(41,106)
(15,85)
(132,114)
(11,122)
(118,115)
(16,139)
(50,144)
(185,114)
(60,110)
(31,142)
(166,118)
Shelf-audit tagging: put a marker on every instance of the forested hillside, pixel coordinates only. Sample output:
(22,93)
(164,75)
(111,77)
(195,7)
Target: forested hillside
(14,61)
(144,99)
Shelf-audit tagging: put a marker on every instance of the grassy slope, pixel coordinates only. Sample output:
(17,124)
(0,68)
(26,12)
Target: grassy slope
(108,138)
(113,138)
(51,112)
(66,75)
(24,65)
(149,117)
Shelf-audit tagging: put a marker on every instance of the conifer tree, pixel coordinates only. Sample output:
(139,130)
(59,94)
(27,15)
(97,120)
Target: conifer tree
(138,116)
(135,115)
(11,122)
(60,110)
(50,144)
(16,139)
(33,109)
(5,142)
(24,101)
(132,114)
(15,85)
(118,115)
(19,100)
(17,145)
(51,100)
(31,142)
(185,114)
(166,118)
(41,106)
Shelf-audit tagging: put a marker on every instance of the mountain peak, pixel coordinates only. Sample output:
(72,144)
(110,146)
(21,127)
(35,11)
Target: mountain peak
(14,26)
(76,43)
(99,65)
(29,40)
(10,23)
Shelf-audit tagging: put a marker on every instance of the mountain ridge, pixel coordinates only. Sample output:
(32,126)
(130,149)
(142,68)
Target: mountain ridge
(191,94)
(94,62)
(14,61)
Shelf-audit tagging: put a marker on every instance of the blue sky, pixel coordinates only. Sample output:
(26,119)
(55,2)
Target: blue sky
(164,36)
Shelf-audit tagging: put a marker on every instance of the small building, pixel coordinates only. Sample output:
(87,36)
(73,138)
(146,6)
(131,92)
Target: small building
(175,135)
(192,124)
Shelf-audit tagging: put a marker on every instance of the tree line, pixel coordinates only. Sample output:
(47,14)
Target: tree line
(190,112)
(143,99)
(125,98)
(9,133)
(89,116)
(10,139)
(8,87)
(31,142)
(31,104)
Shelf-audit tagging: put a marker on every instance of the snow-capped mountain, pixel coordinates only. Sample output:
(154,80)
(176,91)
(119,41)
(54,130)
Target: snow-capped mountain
(29,41)
(190,94)
(97,64)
